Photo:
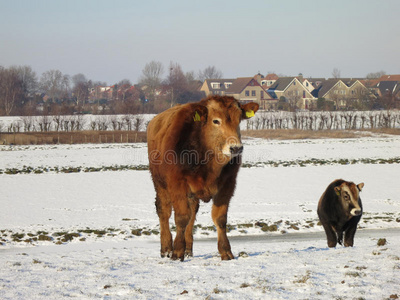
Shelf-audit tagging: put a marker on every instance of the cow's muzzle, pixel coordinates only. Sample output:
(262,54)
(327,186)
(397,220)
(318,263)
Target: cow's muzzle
(236,150)
(355,212)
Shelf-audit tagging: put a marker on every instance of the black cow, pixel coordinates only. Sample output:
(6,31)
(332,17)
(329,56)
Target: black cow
(340,210)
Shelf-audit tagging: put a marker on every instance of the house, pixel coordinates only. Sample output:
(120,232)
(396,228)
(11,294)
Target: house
(342,91)
(389,92)
(385,87)
(389,78)
(292,91)
(269,80)
(306,83)
(216,86)
(101,92)
(244,89)
(248,89)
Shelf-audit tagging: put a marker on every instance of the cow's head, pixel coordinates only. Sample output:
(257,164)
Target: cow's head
(348,194)
(220,117)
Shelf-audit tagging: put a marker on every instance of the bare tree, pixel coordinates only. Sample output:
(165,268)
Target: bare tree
(375,75)
(138,122)
(336,73)
(80,88)
(29,80)
(114,122)
(176,80)
(124,82)
(54,84)
(44,122)
(78,78)
(211,72)
(27,122)
(151,77)
(11,90)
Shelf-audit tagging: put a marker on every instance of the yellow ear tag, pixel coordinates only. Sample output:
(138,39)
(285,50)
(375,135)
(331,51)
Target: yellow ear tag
(196,117)
(249,113)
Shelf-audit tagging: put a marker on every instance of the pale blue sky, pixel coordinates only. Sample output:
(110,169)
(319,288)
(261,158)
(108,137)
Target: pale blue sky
(113,40)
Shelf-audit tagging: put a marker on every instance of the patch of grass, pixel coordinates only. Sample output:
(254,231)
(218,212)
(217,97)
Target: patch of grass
(217,290)
(353,274)
(44,237)
(243,254)
(17,236)
(136,232)
(304,278)
(382,242)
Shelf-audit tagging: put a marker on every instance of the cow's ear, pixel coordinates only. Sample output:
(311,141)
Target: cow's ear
(360,186)
(200,113)
(337,190)
(249,109)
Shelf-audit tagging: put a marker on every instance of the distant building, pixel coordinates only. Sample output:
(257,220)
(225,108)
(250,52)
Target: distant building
(292,91)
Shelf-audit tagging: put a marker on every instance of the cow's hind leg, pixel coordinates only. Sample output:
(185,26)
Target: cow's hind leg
(194,208)
(340,237)
(164,210)
(219,216)
(182,218)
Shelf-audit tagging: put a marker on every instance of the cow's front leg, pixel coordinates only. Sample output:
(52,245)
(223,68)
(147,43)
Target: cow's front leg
(330,234)
(182,218)
(194,208)
(219,216)
(349,236)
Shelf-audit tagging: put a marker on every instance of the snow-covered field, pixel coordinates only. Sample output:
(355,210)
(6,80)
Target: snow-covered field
(90,235)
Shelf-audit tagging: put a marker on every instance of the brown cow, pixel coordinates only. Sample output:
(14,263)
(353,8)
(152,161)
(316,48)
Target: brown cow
(195,154)
(340,210)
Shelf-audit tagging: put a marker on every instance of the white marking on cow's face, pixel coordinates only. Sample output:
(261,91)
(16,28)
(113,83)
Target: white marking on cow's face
(233,147)
(223,133)
(349,196)
(355,212)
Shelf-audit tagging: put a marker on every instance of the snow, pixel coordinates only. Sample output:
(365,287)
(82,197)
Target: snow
(290,263)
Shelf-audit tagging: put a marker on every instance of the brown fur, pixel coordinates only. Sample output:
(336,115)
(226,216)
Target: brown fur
(340,210)
(194,153)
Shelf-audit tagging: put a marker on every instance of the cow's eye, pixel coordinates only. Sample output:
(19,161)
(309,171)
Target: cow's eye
(217,122)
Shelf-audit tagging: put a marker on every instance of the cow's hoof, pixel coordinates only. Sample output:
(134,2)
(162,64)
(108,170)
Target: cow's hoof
(227,256)
(176,257)
(166,254)
(188,253)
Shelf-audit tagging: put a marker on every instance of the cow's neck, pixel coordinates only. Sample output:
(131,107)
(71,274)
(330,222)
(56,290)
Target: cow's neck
(204,185)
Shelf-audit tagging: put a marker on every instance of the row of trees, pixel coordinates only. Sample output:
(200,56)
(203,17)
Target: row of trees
(332,120)
(69,123)
(21,91)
